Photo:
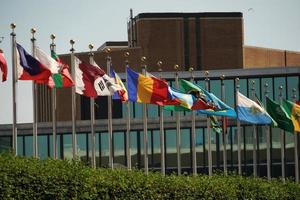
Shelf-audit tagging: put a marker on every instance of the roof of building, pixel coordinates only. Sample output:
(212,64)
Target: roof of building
(187,15)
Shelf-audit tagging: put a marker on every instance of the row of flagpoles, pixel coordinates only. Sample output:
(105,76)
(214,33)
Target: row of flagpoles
(78,69)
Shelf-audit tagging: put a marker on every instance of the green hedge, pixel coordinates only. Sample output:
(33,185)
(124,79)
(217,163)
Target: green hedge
(28,178)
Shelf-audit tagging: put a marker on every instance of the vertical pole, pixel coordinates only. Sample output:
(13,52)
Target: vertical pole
(224,141)
(144,69)
(193,132)
(254,137)
(282,139)
(128,151)
(34,96)
(92,112)
(208,130)
(109,104)
(131,26)
(178,131)
(238,130)
(161,129)
(296,145)
(14,82)
(53,94)
(268,141)
(74,141)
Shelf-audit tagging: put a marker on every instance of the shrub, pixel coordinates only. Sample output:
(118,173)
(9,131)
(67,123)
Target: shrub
(29,178)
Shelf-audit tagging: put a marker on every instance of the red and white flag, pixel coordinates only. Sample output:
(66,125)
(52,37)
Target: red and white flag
(92,81)
(3,66)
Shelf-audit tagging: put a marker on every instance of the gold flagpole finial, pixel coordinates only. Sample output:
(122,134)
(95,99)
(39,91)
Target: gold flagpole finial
(107,50)
(176,67)
(126,54)
(222,77)
(159,64)
(143,59)
(13,25)
(33,31)
(52,37)
(91,46)
(72,42)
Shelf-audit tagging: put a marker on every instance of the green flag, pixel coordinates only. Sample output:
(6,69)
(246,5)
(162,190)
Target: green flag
(279,114)
(215,125)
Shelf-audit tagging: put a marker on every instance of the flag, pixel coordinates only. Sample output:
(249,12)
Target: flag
(63,78)
(3,66)
(215,125)
(60,74)
(199,102)
(92,81)
(29,68)
(279,114)
(122,93)
(293,111)
(250,111)
(143,89)
(220,108)
(185,101)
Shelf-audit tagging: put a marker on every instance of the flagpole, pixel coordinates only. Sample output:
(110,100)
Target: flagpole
(178,134)
(92,112)
(128,151)
(144,69)
(238,131)
(254,137)
(53,93)
(208,130)
(161,129)
(109,104)
(224,127)
(74,142)
(193,132)
(268,138)
(296,145)
(282,139)
(14,82)
(34,95)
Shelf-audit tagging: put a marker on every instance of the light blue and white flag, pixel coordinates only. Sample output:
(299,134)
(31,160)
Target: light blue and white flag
(251,112)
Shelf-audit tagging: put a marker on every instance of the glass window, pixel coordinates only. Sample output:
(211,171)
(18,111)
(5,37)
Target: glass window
(243,86)
(229,92)
(256,88)
(215,87)
(276,146)
(43,146)
(104,149)
(171,152)
(199,147)
(152,111)
(138,110)
(28,146)
(5,144)
(156,149)
(270,89)
(249,146)
(134,149)
(67,146)
(186,148)
(20,147)
(293,83)
(119,148)
(289,147)
(82,146)
(262,153)
(279,81)
(50,137)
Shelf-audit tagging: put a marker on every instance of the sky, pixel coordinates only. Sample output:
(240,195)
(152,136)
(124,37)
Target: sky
(267,23)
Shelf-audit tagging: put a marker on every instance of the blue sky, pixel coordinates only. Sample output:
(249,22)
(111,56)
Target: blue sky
(268,23)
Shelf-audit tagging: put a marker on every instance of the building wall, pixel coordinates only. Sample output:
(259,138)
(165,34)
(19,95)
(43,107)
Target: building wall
(198,41)
(257,57)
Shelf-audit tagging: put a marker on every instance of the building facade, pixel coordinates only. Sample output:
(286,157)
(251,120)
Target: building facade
(204,41)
